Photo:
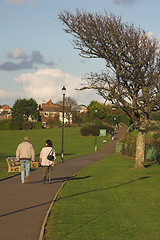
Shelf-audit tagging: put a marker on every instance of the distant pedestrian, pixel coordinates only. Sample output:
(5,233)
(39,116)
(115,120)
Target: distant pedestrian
(25,153)
(112,135)
(45,162)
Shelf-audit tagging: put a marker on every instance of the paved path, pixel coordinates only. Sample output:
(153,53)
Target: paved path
(23,207)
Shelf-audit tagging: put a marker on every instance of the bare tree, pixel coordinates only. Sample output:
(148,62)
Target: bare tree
(131,80)
(71,108)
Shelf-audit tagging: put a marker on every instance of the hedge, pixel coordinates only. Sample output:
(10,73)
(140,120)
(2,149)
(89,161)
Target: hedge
(94,130)
(127,146)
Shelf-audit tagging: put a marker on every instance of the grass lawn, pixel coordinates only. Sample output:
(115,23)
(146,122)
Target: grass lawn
(108,200)
(74,144)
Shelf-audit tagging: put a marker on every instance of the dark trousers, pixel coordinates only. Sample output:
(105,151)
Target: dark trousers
(47,170)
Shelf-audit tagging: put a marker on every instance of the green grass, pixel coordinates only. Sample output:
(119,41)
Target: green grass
(108,200)
(74,144)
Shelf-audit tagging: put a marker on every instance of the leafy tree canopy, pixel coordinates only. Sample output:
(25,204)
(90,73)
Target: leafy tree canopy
(23,109)
(96,109)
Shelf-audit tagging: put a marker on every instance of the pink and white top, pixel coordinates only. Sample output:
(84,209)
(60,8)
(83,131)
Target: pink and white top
(43,156)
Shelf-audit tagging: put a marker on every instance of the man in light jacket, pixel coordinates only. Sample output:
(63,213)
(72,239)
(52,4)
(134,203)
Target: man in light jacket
(25,153)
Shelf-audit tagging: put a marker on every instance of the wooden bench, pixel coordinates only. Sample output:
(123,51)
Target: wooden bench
(14,166)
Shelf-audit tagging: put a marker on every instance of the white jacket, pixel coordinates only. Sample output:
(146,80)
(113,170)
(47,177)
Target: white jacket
(25,151)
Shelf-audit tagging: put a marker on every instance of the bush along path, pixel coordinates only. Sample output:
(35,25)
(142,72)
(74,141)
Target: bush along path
(23,207)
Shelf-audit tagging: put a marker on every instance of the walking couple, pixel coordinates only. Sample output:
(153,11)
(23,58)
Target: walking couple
(25,153)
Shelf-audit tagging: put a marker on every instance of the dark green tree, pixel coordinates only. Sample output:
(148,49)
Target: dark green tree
(23,109)
(96,109)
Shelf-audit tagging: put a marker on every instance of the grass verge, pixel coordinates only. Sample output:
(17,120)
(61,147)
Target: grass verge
(74,144)
(108,200)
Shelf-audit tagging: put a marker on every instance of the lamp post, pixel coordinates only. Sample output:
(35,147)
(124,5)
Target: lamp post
(95,132)
(63,92)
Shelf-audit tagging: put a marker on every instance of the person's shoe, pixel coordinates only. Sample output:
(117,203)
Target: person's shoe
(27,179)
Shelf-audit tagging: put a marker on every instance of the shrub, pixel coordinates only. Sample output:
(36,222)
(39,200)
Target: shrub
(153,142)
(27,125)
(119,119)
(131,149)
(5,124)
(156,135)
(123,149)
(155,116)
(154,126)
(126,120)
(16,125)
(109,119)
(36,125)
(92,129)
(53,121)
(104,126)
(128,138)
(130,141)
(89,129)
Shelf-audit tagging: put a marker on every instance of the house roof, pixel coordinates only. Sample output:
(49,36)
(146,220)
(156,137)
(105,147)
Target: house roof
(48,103)
(5,107)
(51,107)
(54,108)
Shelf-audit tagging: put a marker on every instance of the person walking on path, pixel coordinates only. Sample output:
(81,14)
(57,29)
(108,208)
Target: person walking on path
(112,135)
(25,153)
(21,217)
(45,162)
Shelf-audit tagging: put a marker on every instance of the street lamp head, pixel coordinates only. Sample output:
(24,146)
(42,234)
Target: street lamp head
(64,90)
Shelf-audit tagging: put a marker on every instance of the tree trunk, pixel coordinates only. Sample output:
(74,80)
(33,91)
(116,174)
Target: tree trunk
(140,149)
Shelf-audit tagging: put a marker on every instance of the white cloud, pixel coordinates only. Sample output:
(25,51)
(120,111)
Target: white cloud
(3,94)
(16,53)
(150,34)
(46,84)
(9,97)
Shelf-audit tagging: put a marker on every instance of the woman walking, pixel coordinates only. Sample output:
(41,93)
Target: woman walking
(45,162)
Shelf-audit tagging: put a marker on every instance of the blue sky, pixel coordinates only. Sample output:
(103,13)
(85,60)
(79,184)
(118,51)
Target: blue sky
(37,58)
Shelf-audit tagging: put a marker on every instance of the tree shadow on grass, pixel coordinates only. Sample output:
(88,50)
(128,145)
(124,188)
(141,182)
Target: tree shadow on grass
(102,189)
(80,178)
(71,178)
(147,165)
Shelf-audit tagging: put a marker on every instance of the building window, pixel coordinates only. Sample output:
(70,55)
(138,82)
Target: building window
(46,114)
